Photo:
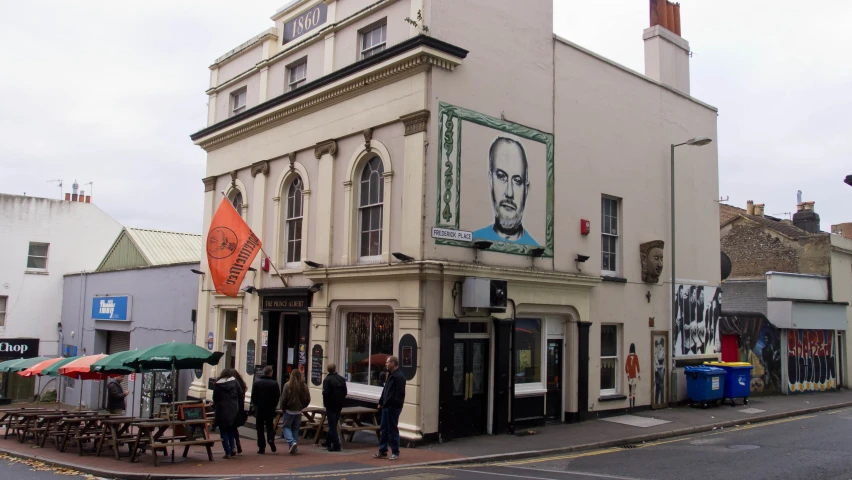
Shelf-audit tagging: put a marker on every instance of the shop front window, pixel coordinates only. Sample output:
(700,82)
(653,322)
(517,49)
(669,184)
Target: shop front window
(369,343)
(527,351)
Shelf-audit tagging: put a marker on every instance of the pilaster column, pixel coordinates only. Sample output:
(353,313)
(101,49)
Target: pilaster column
(328,56)
(324,152)
(319,336)
(203,318)
(263,93)
(413,207)
(410,321)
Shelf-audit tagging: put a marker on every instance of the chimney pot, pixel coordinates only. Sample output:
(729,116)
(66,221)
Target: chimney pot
(73,197)
(758,209)
(676,23)
(750,207)
(67,197)
(808,206)
(806,218)
(88,198)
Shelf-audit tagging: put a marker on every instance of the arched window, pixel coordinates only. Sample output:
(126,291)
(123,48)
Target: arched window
(293,223)
(237,201)
(370,206)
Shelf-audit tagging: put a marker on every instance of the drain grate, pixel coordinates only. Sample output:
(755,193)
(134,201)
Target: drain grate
(627,446)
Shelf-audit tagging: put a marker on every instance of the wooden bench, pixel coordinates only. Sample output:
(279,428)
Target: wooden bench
(207,443)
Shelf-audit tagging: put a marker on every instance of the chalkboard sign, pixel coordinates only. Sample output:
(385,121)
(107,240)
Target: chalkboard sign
(192,412)
(250,357)
(316,365)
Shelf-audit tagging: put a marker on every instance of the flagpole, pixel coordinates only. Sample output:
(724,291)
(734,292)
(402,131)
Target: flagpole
(273,267)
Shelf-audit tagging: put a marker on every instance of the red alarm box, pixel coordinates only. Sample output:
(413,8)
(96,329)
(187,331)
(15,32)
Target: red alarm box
(264,264)
(585,226)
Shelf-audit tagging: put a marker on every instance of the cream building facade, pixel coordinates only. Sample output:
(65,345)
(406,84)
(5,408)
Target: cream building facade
(387,163)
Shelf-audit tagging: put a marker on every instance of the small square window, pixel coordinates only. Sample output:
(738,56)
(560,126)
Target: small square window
(373,40)
(298,75)
(37,256)
(238,101)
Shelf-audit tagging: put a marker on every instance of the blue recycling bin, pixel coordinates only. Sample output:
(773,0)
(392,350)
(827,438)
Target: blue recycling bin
(737,380)
(705,384)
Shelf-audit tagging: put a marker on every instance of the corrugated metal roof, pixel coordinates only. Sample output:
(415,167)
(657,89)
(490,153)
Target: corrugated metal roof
(166,248)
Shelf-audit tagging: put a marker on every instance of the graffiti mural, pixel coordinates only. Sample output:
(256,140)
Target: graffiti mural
(759,344)
(659,344)
(698,310)
(508,172)
(810,360)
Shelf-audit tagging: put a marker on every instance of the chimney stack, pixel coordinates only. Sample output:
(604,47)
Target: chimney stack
(666,52)
(806,218)
(758,209)
(67,197)
(750,207)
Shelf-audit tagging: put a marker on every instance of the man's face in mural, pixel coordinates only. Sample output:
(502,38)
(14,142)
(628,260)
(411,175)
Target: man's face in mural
(509,182)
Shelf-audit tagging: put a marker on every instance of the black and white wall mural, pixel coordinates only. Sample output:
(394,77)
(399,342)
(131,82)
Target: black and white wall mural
(698,308)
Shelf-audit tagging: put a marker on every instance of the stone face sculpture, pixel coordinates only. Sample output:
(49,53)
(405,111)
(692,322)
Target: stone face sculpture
(651,256)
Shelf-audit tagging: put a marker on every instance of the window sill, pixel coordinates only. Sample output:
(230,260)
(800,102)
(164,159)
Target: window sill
(613,279)
(31,271)
(612,397)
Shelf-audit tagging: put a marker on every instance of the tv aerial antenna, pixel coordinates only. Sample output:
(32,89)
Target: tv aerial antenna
(91,190)
(58,185)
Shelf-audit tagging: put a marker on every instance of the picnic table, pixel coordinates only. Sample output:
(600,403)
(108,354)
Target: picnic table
(350,422)
(11,416)
(117,431)
(152,434)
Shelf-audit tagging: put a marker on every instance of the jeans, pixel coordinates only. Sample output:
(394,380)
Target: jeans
(290,427)
(227,434)
(264,423)
(390,430)
(333,439)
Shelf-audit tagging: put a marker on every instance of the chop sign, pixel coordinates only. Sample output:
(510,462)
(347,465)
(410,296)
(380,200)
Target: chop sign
(20,349)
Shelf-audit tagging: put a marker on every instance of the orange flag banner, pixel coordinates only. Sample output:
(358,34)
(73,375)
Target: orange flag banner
(231,247)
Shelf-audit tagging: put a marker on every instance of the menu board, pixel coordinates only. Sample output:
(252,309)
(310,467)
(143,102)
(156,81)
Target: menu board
(316,365)
(250,357)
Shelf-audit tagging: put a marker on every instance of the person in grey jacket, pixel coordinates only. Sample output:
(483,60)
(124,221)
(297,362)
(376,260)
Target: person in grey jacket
(390,406)
(294,399)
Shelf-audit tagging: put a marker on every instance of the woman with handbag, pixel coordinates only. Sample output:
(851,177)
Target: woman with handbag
(227,405)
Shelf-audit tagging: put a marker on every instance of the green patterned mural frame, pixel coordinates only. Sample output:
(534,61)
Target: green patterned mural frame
(450,121)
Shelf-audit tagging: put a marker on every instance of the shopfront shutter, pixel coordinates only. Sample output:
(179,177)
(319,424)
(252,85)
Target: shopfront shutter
(118,342)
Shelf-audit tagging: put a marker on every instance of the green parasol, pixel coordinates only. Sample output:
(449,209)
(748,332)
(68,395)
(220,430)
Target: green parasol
(173,356)
(115,363)
(20,364)
(53,370)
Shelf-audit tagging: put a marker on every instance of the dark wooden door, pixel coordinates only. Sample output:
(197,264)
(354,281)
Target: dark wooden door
(554,379)
(467,399)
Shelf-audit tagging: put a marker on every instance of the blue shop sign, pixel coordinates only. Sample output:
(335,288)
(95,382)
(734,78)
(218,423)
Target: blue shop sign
(111,308)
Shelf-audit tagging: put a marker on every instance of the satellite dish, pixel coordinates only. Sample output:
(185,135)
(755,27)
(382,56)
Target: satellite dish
(726,266)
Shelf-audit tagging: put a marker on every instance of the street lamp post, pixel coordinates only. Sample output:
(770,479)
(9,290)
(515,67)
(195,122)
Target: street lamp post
(696,142)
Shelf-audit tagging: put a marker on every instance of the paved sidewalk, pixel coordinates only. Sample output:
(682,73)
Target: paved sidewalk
(642,426)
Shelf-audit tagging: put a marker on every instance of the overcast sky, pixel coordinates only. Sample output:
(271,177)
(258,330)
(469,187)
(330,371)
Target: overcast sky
(108,92)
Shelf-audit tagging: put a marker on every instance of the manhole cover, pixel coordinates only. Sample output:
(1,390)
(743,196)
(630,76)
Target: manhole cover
(743,447)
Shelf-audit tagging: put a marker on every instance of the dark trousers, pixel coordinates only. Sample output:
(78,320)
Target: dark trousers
(390,430)
(333,439)
(264,422)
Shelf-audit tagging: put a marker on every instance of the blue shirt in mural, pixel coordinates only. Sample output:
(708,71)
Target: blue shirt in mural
(489,234)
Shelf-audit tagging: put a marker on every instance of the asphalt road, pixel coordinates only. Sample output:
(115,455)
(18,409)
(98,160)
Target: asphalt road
(810,447)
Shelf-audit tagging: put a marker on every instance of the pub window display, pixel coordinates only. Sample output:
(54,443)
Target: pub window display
(528,351)
(369,343)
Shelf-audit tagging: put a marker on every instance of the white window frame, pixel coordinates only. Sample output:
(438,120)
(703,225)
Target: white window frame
(236,96)
(540,387)
(377,257)
(359,390)
(373,48)
(288,221)
(4,304)
(605,234)
(294,69)
(45,257)
(617,357)
(235,342)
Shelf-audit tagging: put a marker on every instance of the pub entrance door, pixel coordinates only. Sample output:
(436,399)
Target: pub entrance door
(468,399)
(283,346)
(285,335)
(554,379)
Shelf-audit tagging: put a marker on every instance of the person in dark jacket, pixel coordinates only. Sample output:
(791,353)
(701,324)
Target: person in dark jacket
(243,415)
(294,399)
(390,406)
(264,397)
(333,394)
(116,396)
(227,395)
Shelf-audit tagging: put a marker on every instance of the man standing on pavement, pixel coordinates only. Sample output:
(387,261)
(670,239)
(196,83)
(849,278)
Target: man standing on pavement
(390,406)
(333,394)
(116,396)
(264,397)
